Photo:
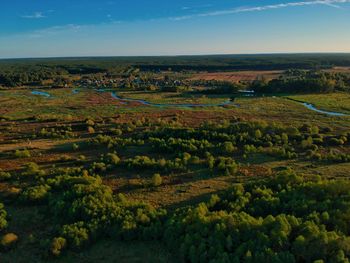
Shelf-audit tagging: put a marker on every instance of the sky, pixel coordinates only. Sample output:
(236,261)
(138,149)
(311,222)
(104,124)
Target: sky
(65,28)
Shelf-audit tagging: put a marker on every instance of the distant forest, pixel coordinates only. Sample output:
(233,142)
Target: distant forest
(17,72)
(178,63)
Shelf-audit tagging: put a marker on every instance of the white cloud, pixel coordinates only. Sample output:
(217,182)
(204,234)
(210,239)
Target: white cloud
(36,15)
(332,3)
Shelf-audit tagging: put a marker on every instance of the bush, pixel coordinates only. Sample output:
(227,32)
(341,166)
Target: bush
(156,180)
(98,167)
(227,165)
(228,147)
(90,122)
(117,132)
(32,169)
(4,175)
(113,159)
(305,144)
(3,215)
(90,130)
(8,241)
(75,146)
(22,153)
(57,245)
(76,234)
(81,158)
(35,193)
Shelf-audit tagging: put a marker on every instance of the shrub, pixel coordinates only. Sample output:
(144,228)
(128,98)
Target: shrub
(57,245)
(4,175)
(228,147)
(3,215)
(258,134)
(32,169)
(292,131)
(35,193)
(76,234)
(8,240)
(90,130)
(186,157)
(306,143)
(75,146)
(81,158)
(98,167)
(227,165)
(314,130)
(90,122)
(22,153)
(113,159)
(156,180)
(284,138)
(117,132)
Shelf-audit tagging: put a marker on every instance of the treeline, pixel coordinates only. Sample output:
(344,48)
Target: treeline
(13,76)
(241,62)
(21,72)
(296,81)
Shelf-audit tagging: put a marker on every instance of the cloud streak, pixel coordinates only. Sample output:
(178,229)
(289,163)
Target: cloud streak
(36,15)
(332,3)
(55,30)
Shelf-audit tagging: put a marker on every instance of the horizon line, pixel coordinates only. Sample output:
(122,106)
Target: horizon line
(182,55)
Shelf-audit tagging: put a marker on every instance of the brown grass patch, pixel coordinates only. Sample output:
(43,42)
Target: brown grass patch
(245,76)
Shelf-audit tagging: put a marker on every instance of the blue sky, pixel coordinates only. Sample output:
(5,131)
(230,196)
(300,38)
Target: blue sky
(49,28)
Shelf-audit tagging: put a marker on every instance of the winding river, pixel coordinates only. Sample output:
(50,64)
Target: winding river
(186,105)
(330,113)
